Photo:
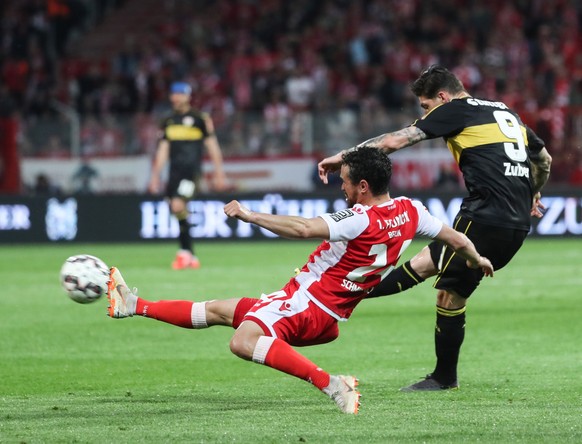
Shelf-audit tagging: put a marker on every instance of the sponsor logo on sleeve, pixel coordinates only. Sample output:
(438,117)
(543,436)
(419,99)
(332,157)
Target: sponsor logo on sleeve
(341,215)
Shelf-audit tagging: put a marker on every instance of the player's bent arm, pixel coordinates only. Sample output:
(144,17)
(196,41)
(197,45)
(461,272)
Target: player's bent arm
(291,227)
(391,142)
(388,142)
(541,164)
(463,246)
(540,167)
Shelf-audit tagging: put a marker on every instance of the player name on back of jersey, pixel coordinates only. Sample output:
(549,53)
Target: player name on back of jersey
(516,170)
(395,222)
(476,102)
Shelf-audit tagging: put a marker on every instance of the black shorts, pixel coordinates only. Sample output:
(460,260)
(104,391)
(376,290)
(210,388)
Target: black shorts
(182,184)
(497,244)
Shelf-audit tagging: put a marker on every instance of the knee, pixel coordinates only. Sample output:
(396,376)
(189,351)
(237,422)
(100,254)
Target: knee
(177,206)
(442,298)
(242,346)
(450,300)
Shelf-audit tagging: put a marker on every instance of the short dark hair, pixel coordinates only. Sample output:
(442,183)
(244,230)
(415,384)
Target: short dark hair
(434,79)
(372,165)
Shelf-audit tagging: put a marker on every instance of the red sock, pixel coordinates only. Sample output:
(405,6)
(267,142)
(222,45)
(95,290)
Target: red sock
(173,312)
(279,355)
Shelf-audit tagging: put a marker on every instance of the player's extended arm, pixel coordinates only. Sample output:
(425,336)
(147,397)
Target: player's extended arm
(292,227)
(541,164)
(215,153)
(465,248)
(389,142)
(162,156)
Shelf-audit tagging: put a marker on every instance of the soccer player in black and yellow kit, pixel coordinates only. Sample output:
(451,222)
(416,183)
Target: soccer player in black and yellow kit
(185,135)
(504,165)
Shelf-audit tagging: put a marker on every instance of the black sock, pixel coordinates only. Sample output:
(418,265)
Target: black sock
(400,279)
(448,338)
(184,236)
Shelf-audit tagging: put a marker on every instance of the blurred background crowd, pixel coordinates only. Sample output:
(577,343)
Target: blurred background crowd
(279,77)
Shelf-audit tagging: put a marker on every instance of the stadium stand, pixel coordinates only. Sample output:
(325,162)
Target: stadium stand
(268,69)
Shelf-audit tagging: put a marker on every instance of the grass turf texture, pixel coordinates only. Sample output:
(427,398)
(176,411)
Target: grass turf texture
(70,374)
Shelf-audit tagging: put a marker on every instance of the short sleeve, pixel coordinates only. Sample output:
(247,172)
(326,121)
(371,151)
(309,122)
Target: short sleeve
(347,224)
(534,143)
(445,120)
(428,225)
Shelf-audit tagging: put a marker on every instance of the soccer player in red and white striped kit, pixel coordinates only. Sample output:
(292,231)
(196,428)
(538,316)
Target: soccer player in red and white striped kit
(361,245)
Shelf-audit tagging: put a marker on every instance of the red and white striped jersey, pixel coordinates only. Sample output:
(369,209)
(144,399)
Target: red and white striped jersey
(364,246)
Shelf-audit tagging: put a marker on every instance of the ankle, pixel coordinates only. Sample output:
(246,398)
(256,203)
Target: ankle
(140,306)
(332,387)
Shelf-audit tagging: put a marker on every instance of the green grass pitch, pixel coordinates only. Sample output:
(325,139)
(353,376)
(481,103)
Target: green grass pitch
(69,374)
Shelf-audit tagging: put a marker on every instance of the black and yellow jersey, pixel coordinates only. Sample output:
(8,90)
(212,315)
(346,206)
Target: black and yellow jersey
(492,147)
(186,133)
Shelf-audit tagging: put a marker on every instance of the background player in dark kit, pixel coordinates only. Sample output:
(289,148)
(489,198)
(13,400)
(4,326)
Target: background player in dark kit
(185,135)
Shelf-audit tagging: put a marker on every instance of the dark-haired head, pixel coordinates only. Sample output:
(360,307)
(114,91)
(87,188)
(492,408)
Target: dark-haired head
(434,79)
(372,165)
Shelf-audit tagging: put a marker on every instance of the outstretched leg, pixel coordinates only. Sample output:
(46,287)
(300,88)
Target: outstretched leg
(250,343)
(411,273)
(187,314)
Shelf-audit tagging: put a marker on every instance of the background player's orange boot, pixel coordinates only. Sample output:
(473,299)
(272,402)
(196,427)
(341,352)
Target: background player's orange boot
(183,260)
(194,262)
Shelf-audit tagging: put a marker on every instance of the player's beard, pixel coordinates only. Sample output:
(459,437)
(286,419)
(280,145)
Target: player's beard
(349,201)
